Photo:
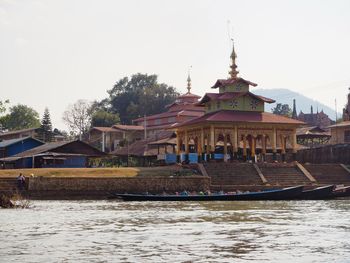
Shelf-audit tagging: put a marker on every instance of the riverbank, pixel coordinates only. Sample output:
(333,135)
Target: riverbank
(93,172)
(98,183)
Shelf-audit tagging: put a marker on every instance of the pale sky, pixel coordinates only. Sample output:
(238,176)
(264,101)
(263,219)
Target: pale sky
(53,53)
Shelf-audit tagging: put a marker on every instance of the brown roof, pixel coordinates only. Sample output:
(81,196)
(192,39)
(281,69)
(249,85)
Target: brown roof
(225,82)
(142,147)
(189,95)
(312,131)
(194,113)
(17,131)
(128,127)
(231,95)
(341,124)
(75,147)
(241,116)
(103,129)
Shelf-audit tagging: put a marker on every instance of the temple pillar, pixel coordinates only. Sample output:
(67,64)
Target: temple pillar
(283,148)
(199,149)
(178,147)
(208,149)
(244,147)
(187,149)
(263,144)
(225,148)
(234,142)
(252,152)
(274,144)
(202,144)
(212,141)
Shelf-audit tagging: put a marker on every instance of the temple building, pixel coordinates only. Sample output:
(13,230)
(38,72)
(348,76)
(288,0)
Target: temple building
(235,125)
(183,109)
(319,119)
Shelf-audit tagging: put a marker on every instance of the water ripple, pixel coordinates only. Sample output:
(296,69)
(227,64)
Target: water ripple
(108,231)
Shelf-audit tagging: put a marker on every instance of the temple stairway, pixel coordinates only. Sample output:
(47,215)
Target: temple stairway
(229,176)
(283,174)
(226,175)
(329,173)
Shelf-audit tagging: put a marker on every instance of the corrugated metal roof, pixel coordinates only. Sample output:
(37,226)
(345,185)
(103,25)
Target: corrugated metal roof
(6,143)
(17,131)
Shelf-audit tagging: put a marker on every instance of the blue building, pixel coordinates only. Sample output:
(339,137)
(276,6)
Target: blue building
(71,154)
(15,146)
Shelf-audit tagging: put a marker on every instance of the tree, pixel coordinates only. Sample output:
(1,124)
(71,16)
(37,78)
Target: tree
(78,118)
(20,117)
(139,95)
(102,118)
(282,109)
(3,107)
(45,132)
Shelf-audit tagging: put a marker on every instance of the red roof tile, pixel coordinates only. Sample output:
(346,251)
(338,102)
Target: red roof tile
(241,116)
(225,82)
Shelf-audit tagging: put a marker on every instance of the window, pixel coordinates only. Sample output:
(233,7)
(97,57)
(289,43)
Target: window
(218,104)
(347,136)
(157,122)
(209,106)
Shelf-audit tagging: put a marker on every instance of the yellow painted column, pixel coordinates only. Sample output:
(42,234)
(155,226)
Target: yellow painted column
(274,144)
(178,146)
(202,142)
(225,148)
(199,146)
(244,146)
(253,147)
(263,143)
(208,146)
(187,150)
(212,138)
(283,144)
(294,141)
(235,140)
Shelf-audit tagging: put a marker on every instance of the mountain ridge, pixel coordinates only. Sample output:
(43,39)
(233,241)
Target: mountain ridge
(303,103)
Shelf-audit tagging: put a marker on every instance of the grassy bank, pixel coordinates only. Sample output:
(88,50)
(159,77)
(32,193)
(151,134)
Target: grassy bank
(93,172)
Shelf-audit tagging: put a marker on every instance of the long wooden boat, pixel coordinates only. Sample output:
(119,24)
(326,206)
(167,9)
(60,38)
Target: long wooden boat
(278,194)
(341,191)
(323,192)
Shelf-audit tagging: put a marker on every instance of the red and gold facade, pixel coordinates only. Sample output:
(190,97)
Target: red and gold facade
(236,125)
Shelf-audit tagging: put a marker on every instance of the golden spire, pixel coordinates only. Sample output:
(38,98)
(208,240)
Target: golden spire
(188,83)
(233,72)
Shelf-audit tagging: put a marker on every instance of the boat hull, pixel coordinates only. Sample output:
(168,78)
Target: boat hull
(324,192)
(281,194)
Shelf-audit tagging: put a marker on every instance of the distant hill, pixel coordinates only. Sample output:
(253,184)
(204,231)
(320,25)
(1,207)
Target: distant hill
(286,96)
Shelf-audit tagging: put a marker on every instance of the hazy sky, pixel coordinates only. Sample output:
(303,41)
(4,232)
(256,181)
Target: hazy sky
(53,53)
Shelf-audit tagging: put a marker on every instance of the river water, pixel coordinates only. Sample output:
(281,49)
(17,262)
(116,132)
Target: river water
(112,231)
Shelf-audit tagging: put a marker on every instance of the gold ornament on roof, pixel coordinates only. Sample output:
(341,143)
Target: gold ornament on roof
(233,72)
(188,83)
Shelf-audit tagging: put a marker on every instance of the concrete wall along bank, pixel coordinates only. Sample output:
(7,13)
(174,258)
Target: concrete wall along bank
(121,185)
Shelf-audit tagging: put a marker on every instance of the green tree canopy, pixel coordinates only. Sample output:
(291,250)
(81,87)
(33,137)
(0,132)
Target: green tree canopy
(45,132)
(103,118)
(137,96)
(20,117)
(282,109)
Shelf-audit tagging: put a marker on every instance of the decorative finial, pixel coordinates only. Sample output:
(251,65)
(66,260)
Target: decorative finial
(189,81)
(234,72)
